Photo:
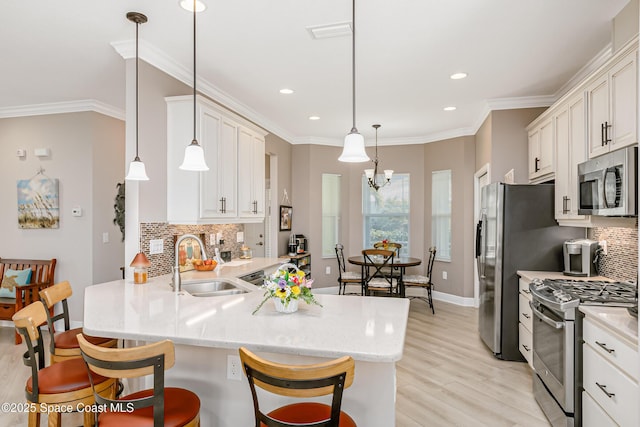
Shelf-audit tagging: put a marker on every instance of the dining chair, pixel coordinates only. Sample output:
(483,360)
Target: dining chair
(300,381)
(346,277)
(64,344)
(66,384)
(158,406)
(379,271)
(419,281)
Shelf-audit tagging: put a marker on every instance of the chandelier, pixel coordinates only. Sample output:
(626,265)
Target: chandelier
(372,174)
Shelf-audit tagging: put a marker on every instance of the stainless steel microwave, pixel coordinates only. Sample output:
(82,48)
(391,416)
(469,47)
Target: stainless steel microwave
(607,184)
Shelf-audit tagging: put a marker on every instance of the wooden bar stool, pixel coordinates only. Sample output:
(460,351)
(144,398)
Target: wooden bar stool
(65,384)
(159,406)
(300,381)
(64,345)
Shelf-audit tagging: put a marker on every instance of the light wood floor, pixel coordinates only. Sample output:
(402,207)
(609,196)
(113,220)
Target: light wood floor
(447,377)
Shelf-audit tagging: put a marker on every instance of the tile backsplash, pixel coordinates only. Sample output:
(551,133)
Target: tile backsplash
(621,261)
(161,263)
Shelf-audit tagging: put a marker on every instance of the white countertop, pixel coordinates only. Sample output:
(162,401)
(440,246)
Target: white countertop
(367,328)
(617,319)
(530,275)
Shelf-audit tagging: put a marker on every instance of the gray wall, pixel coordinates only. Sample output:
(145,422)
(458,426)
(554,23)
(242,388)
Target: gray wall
(87,157)
(281,149)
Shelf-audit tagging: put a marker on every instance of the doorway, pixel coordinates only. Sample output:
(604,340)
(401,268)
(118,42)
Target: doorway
(481,178)
(260,236)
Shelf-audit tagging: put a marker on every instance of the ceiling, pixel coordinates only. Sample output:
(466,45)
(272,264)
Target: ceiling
(516,53)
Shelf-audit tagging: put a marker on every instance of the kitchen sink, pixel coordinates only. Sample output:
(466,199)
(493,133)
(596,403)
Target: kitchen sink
(212,288)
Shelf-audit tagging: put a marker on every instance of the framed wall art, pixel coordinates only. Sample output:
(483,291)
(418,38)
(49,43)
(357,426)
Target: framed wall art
(38,202)
(286,213)
(188,252)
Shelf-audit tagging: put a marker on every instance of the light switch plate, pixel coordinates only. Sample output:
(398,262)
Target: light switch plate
(156,246)
(240,237)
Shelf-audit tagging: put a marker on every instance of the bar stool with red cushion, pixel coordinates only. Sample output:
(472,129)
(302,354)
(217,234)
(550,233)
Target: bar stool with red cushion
(64,345)
(300,381)
(65,384)
(159,406)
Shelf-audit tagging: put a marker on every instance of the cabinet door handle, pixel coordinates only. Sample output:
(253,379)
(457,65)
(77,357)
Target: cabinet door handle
(602,134)
(604,347)
(607,126)
(604,390)
(223,205)
(535,164)
(255,206)
(526,347)
(564,204)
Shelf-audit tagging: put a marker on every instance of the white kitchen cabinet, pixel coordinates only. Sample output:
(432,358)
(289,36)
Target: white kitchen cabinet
(525,322)
(541,151)
(571,149)
(212,196)
(251,178)
(610,377)
(612,106)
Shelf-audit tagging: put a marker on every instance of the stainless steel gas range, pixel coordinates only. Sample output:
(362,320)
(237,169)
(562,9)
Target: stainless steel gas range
(557,340)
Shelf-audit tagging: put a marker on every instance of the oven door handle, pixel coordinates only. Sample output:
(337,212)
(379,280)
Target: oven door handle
(549,321)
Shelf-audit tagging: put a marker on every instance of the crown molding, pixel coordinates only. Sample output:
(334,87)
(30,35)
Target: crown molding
(63,107)
(160,60)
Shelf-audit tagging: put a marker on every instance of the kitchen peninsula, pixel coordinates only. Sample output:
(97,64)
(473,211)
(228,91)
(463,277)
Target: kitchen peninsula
(208,330)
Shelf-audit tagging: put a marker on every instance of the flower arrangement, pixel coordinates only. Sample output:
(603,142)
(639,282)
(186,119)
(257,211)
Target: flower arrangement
(287,283)
(385,244)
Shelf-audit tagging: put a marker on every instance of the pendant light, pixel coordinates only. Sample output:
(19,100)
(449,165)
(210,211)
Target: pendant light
(136,167)
(353,151)
(194,154)
(372,174)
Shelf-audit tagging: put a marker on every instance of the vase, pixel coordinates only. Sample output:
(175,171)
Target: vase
(292,307)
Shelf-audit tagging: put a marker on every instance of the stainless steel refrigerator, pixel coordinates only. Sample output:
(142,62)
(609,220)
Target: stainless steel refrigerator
(516,231)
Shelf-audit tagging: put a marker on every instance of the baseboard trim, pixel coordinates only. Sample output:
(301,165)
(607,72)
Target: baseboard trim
(412,292)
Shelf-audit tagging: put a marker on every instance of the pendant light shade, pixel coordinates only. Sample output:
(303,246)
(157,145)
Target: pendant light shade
(194,154)
(353,151)
(137,170)
(194,158)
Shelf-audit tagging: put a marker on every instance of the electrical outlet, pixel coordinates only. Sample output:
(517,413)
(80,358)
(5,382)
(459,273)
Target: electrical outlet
(234,367)
(105,237)
(239,237)
(212,239)
(327,269)
(444,275)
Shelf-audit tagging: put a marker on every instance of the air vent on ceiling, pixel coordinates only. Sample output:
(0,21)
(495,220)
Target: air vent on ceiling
(339,29)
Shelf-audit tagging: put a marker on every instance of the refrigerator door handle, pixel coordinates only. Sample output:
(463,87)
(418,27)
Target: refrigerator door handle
(481,244)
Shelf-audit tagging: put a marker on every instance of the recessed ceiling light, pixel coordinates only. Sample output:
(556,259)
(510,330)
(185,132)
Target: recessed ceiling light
(458,76)
(314,117)
(188,5)
(286,91)
(451,108)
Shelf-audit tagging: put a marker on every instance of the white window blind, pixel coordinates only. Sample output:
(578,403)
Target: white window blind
(441,213)
(330,214)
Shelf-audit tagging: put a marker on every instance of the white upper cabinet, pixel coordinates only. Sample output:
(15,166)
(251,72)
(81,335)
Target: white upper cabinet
(219,194)
(251,188)
(612,107)
(571,149)
(541,150)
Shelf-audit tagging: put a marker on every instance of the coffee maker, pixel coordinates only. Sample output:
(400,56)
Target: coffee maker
(579,257)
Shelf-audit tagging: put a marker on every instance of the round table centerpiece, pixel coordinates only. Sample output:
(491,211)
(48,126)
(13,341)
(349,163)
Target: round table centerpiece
(287,286)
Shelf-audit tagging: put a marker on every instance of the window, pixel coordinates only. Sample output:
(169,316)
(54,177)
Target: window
(330,214)
(441,213)
(386,212)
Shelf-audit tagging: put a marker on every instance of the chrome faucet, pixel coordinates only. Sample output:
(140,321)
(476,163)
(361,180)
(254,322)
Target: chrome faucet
(176,282)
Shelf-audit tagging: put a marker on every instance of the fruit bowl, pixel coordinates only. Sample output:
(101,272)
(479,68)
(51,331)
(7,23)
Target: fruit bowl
(206,267)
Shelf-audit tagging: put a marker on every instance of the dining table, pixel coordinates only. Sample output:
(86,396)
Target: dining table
(400,263)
